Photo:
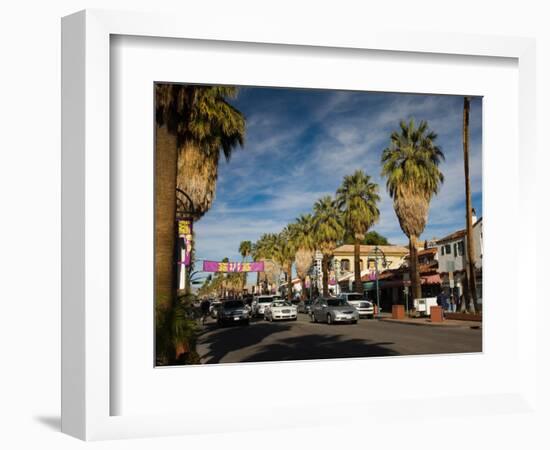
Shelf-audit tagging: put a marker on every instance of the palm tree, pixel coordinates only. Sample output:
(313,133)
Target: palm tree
(245,249)
(263,250)
(328,231)
(470,291)
(301,235)
(194,124)
(283,254)
(357,198)
(411,167)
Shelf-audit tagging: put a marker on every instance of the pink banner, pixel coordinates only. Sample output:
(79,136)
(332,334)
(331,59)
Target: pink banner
(185,233)
(215,266)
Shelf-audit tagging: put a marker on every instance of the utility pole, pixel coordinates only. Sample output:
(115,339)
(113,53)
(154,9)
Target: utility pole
(471,293)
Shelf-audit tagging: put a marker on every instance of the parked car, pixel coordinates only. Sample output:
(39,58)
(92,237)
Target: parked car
(280,310)
(333,310)
(233,311)
(364,307)
(260,302)
(304,306)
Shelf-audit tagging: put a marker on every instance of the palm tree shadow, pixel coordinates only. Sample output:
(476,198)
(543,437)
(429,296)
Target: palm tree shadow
(317,346)
(224,341)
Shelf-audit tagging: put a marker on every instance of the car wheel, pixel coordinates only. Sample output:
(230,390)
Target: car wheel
(354,322)
(329,319)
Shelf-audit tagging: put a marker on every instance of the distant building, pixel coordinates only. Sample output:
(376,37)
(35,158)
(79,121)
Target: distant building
(452,257)
(343,261)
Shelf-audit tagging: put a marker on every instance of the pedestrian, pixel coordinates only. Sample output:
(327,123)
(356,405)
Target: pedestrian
(439,299)
(444,302)
(205,309)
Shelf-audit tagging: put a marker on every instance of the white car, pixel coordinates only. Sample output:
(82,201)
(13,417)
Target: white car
(364,307)
(280,310)
(260,302)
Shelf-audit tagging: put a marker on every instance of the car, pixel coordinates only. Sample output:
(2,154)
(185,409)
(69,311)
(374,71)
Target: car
(304,306)
(364,307)
(233,311)
(280,310)
(260,302)
(333,310)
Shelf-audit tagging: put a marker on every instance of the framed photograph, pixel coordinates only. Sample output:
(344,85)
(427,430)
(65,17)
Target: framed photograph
(294,228)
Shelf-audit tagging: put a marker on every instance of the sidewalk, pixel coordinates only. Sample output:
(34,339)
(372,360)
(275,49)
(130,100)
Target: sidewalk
(387,317)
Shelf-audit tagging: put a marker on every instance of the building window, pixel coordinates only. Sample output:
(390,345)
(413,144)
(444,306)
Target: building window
(344,265)
(455,250)
(448,249)
(442,249)
(461,248)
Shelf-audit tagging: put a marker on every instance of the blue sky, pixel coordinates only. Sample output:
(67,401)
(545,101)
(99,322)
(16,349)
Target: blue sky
(299,145)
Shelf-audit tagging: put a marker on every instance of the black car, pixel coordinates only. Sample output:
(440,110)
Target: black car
(233,311)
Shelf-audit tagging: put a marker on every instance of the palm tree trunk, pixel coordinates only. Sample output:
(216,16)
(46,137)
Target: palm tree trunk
(470,267)
(166,163)
(357,265)
(289,272)
(414,273)
(324,264)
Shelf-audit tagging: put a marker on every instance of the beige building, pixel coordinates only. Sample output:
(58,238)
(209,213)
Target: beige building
(344,257)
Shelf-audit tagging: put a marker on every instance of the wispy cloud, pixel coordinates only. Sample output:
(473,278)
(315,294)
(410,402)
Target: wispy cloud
(300,143)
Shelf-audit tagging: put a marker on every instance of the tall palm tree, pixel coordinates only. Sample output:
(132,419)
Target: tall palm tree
(301,235)
(328,231)
(283,254)
(357,200)
(245,249)
(193,125)
(411,167)
(470,291)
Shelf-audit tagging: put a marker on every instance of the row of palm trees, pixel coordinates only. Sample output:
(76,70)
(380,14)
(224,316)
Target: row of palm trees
(352,210)
(410,165)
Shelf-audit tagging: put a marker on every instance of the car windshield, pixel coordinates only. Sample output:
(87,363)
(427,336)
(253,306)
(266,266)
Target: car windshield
(336,302)
(233,304)
(265,299)
(355,297)
(280,303)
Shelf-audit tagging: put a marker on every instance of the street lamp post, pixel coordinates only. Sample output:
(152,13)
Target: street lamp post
(377,250)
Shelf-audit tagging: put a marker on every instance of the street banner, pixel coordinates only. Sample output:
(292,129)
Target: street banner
(215,266)
(185,234)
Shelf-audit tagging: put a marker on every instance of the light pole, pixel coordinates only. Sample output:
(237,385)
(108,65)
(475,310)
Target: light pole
(377,250)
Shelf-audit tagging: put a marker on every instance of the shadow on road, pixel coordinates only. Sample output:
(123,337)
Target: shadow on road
(317,346)
(222,341)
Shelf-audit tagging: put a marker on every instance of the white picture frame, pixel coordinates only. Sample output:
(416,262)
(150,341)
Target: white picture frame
(86,247)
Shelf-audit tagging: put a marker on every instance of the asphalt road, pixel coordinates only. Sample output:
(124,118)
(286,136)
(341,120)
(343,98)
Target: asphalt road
(300,340)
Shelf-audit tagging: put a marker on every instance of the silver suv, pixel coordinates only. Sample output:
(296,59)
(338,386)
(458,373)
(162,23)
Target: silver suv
(364,307)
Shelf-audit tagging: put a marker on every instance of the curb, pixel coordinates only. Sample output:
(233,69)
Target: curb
(427,324)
